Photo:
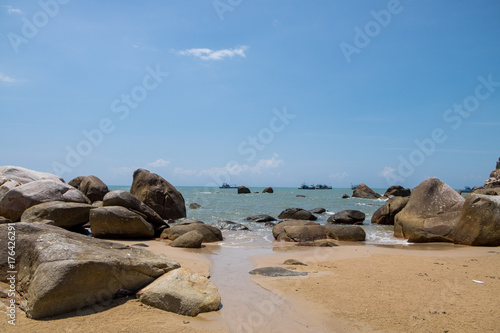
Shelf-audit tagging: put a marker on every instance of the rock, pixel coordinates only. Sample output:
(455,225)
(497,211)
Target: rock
(431,213)
(347,217)
(63,214)
(194,205)
(488,191)
(293,262)
(479,222)
(158,194)
(210,234)
(351,233)
(243,190)
(494,180)
(304,233)
(268,190)
(183,292)
(119,222)
(61,271)
(297,214)
(23,176)
(318,243)
(128,200)
(261,218)
(397,191)
(363,191)
(280,233)
(300,196)
(276,271)
(385,214)
(191,239)
(18,199)
(318,210)
(345,196)
(4,220)
(75,182)
(229,225)
(91,186)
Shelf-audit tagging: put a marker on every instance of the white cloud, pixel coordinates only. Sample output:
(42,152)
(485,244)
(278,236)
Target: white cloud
(387,172)
(123,171)
(160,163)
(6,79)
(12,10)
(339,176)
(208,54)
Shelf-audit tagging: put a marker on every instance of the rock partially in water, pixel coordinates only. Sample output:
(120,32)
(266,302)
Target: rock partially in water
(318,210)
(261,218)
(297,214)
(276,271)
(347,217)
(229,225)
(194,205)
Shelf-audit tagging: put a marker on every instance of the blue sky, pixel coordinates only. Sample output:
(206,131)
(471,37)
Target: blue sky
(256,93)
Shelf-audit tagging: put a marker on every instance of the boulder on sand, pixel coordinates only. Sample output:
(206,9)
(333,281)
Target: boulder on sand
(158,194)
(119,222)
(297,214)
(210,234)
(363,191)
(479,222)
(191,239)
(183,292)
(298,230)
(63,214)
(352,233)
(60,271)
(347,217)
(431,213)
(385,214)
(91,186)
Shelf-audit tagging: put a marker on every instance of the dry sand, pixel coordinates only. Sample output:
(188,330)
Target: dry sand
(350,288)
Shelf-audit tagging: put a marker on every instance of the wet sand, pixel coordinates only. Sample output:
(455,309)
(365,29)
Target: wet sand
(350,288)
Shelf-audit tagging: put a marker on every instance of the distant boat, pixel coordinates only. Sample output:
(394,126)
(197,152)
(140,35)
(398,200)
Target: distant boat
(226,185)
(353,187)
(467,189)
(323,187)
(307,187)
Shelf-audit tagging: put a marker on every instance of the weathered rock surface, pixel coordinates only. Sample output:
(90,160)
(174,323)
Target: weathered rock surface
(352,233)
(128,200)
(61,271)
(397,191)
(488,191)
(210,234)
(479,222)
(431,213)
(280,233)
(229,225)
(191,239)
(276,271)
(318,210)
(19,198)
(386,214)
(268,190)
(347,217)
(261,218)
(183,292)
(119,222)
(297,214)
(363,191)
(494,180)
(158,194)
(23,176)
(91,186)
(293,262)
(62,214)
(243,190)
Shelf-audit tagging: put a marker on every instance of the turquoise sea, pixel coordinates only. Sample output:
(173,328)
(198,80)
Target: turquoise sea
(226,204)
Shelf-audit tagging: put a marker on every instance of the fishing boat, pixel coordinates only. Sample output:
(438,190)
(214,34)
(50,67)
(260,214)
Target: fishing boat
(323,187)
(353,187)
(467,189)
(226,185)
(307,187)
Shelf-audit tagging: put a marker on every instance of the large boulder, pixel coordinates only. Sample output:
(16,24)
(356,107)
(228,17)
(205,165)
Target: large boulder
(297,214)
(62,214)
(243,190)
(183,292)
(60,271)
(91,186)
(191,239)
(353,233)
(431,213)
(119,222)
(24,176)
(19,198)
(397,191)
(210,234)
(494,180)
(386,214)
(128,200)
(363,191)
(479,222)
(158,194)
(295,228)
(347,217)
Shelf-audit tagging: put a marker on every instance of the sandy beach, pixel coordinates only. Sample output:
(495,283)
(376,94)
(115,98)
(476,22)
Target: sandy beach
(349,288)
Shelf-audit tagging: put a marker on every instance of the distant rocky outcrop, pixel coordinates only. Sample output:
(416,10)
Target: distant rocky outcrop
(431,213)
(158,194)
(347,217)
(210,233)
(60,271)
(386,214)
(479,222)
(297,214)
(397,191)
(363,191)
(91,186)
(268,190)
(243,190)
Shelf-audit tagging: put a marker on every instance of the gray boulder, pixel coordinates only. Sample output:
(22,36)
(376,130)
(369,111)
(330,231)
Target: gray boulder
(351,233)
(61,271)
(91,186)
(191,239)
(479,222)
(298,230)
(431,213)
(158,194)
(23,176)
(363,191)
(210,234)
(119,222)
(347,217)
(63,214)
(386,214)
(297,214)
(183,292)
(228,225)
(128,200)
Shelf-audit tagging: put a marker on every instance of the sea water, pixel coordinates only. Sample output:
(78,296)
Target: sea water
(227,205)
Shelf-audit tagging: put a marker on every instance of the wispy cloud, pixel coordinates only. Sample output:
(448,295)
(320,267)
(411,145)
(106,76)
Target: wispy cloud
(339,176)
(160,163)
(143,47)
(11,10)
(387,172)
(6,79)
(208,54)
